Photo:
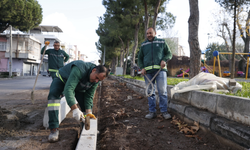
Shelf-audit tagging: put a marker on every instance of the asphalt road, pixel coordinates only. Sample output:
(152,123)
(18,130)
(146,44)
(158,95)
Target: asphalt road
(23,84)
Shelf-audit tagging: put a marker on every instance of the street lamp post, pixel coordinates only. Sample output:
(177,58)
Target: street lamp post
(10,52)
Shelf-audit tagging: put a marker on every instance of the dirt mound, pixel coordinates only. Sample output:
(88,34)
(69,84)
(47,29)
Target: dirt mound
(21,124)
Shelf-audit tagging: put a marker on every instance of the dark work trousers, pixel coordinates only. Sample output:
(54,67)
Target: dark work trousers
(56,88)
(52,74)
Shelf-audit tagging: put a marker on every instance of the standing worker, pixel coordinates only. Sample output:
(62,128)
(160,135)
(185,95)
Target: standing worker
(153,55)
(79,80)
(56,58)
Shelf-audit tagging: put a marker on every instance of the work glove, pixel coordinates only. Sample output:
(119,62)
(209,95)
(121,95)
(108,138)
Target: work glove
(77,114)
(90,115)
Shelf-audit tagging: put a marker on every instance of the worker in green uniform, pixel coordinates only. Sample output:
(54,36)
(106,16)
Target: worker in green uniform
(153,57)
(79,80)
(56,58)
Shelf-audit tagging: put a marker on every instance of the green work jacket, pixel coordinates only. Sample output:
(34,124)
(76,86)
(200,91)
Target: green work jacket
(152,53)
(76,77)
(56,58)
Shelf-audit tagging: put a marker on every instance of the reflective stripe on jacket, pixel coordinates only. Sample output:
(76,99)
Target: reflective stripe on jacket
(152,53)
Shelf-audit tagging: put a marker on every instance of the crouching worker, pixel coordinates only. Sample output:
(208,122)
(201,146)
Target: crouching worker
(78,80)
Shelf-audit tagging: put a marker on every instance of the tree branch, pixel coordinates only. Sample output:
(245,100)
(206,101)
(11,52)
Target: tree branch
(156,13)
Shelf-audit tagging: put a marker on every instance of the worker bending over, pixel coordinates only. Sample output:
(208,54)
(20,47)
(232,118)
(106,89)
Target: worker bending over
(78,80)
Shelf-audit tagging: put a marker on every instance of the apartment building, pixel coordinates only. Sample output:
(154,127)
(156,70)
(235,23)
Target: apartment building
(25,54)
(26,48)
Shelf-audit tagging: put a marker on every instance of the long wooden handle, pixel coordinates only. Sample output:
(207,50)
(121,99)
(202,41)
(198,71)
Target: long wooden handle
(39,68)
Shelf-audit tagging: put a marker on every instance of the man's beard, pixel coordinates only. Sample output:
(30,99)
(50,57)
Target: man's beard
(150,38)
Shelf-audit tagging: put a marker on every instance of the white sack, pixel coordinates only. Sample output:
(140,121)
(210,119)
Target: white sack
(206,81)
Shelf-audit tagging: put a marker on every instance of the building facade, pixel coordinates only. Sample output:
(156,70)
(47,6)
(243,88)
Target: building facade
(71,50)
(25,54)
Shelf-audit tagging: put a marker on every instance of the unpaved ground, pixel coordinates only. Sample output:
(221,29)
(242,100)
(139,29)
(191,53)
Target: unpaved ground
(123,127)
(120,121)
(21,124)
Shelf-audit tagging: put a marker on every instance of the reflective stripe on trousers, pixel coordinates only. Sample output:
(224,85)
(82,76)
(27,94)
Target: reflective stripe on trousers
(53,104)
(53,70)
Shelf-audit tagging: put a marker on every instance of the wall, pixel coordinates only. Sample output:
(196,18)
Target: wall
(17,65)
(4,65)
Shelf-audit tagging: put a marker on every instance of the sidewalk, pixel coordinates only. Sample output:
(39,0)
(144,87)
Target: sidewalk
(23,77)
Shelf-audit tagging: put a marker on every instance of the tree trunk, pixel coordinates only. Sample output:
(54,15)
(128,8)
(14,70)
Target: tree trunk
(116,62)
(137,27)
(122,51)
(156,13)
(195,52)
(246,50)
(234,34)
(146,21)
(227,46)
(113,65)
(121,57)
(126,62)
(245,39)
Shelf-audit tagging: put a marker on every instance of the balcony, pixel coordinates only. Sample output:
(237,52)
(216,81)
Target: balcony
(22,55)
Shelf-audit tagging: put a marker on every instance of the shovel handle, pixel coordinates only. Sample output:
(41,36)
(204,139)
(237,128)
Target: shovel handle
(38,74)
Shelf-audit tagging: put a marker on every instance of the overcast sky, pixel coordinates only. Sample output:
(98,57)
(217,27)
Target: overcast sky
(79,19)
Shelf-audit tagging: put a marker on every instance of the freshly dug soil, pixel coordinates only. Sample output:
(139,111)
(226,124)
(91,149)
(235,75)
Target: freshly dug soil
(122,125)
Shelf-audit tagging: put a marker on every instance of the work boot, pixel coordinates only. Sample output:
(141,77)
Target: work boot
(151,115)
(166,115)
(54,135)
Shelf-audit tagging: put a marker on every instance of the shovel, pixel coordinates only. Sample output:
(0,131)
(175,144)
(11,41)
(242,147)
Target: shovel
(32,92)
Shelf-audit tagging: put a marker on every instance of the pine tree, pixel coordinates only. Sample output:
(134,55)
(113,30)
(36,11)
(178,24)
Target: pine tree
(21,14)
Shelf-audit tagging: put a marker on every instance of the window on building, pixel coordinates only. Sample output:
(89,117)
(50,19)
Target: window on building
(3,46)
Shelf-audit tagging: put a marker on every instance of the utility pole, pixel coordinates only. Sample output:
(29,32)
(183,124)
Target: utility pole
(10,51)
